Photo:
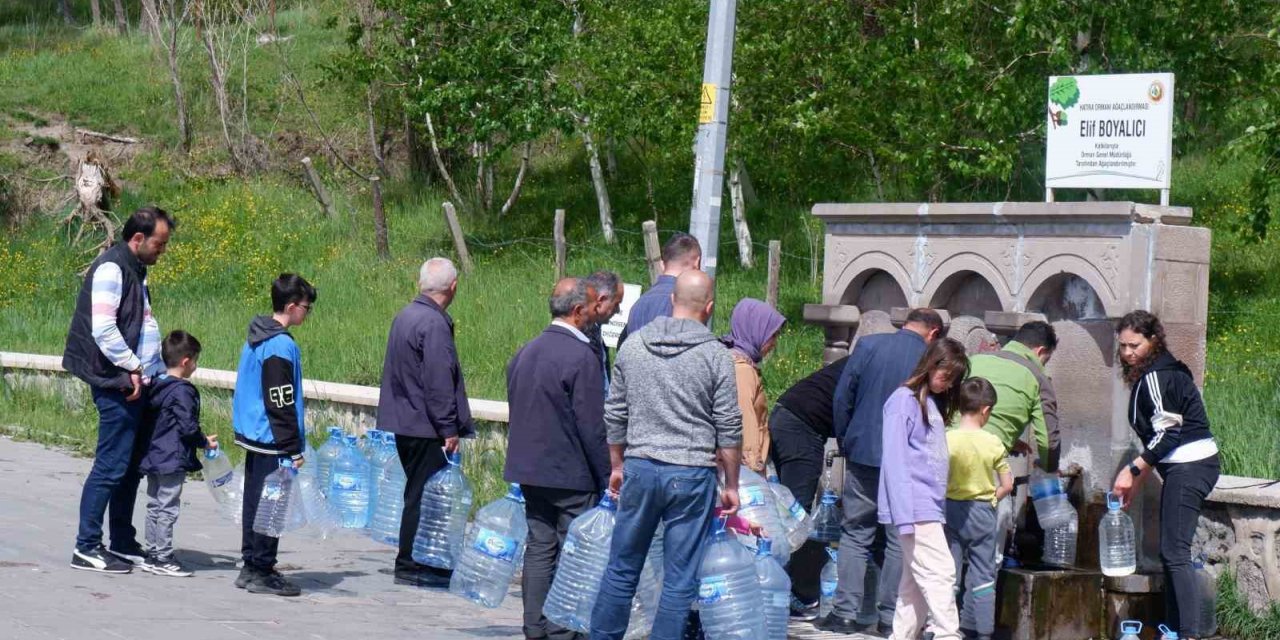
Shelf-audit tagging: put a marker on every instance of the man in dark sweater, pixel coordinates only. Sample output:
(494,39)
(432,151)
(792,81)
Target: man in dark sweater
(556,448)
(605,303)
(878,365)
(423,401)
(799,428)
(681,253)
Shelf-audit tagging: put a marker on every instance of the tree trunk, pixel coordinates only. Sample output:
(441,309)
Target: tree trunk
(419,154)
(95,7)
(610,158)
(740,228)
(597,179)
(374,147)
(122,18)
(64,7)
(218,81)
(515,188)
(379,220)
(444,172)
(168,38)
(149,21)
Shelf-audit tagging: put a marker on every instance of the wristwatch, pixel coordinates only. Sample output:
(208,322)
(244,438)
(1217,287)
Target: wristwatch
(1135,470)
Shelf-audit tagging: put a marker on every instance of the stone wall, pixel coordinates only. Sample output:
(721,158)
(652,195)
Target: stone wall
(1240,529)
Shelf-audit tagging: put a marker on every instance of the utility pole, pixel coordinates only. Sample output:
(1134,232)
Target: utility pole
(713,129)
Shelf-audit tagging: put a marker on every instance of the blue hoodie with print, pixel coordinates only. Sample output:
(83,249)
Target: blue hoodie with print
(267,411)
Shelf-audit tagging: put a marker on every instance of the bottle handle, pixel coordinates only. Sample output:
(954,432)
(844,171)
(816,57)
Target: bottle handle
(1131,626)
(1113,502)
(1166,631)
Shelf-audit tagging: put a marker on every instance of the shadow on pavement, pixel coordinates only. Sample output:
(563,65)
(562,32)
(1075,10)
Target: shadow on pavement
(321,580)
(204,560)
(494,631)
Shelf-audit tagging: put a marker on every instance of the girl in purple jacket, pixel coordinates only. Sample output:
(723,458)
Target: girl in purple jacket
(913,488)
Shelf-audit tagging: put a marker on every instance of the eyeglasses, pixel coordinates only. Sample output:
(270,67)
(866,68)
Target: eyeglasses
(305,306)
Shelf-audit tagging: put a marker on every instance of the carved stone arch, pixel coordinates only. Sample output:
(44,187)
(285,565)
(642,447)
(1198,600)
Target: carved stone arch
(956,273)
(875,267)
(1047,278)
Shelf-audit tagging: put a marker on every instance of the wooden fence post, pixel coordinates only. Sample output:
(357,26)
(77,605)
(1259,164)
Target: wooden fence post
(775,266)
(318,187)
(740,228)
(379,219)
(459,242)
(652,254)
(561,249)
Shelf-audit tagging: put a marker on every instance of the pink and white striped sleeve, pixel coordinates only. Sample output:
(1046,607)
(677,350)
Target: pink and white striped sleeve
(149,345)
(105,304)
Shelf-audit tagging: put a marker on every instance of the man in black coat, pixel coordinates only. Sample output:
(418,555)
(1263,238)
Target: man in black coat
(556,447)
(423,401)
(604,305)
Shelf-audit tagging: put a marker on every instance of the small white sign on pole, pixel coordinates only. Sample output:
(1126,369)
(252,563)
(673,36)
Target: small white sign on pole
(612,329)
(1110,131)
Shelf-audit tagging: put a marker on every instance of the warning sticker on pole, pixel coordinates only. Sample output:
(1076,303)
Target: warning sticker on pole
(707,110)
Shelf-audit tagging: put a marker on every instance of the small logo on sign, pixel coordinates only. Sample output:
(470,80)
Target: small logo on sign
(1155,92)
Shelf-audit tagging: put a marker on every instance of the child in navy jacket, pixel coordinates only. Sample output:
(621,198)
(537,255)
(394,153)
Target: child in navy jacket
(173,423)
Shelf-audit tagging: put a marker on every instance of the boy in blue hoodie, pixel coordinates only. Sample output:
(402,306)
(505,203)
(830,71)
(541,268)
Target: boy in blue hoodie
(173,422)
(268,416)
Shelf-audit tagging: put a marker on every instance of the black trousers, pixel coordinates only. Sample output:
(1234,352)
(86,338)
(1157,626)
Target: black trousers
(797,453)
(1186,485)
(549,512)
(421,458)
(258,551)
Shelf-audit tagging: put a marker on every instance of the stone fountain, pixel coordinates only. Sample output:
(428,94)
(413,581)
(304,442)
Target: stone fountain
(991,267)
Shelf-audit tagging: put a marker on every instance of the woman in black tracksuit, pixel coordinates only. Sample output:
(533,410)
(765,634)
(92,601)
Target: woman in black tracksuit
(1167,413)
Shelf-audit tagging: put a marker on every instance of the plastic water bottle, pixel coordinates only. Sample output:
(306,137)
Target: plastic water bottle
(1117,552)
(1052,508)
(1207,599)
(1060,542)
(384,522)
(1004,525)
(1166,633)
(791,513)
(234,509)
(382,454)
(644,607)
(1130,630)
(492,552)
(828,581)
(372,447)
(775,589)
(757,506)
(826,519)
(219,476)
(583,558)
(349,486)
(322,519)
(272,516)
(446,503)
(326,454)
(729,595)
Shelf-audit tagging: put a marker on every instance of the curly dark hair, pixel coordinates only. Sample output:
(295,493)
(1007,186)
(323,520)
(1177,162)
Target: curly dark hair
(946,353)
(1147,325)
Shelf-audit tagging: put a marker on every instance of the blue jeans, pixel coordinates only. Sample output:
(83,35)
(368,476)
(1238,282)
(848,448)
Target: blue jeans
(653,492)
(113,480)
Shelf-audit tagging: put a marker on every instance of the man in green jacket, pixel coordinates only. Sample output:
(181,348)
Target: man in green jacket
(1024,392)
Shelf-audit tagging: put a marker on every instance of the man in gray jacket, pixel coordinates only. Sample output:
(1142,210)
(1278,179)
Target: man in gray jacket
(671,416)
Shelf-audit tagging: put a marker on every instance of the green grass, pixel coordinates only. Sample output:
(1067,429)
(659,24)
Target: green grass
(1237,621)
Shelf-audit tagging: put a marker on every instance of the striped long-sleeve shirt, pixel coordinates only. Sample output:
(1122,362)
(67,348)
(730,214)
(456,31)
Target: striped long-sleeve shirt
(107,285)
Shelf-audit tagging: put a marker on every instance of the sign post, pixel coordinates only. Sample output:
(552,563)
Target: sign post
(1110,132)
(713,128)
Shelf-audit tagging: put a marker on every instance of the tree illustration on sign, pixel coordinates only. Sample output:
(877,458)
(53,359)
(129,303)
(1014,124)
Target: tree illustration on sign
(1064,93)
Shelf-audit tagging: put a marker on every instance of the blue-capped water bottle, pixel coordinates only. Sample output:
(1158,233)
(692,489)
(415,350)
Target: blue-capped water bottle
(826,519)
(1117,545)
(828,583)
(272,516)
(729,595)
(219,476)
(583,559)
(384,523)
(492,552)
(446,503)
(349,486)
(756,505)
(775,591)
(326,454)
(1166,633)
(1130,630)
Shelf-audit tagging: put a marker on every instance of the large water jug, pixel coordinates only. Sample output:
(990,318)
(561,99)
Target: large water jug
(1052,507)
(384,522)
(1130,630)
(1206,599)
(326,454)
(272,516)
(729,594)
(446,503)
(382,451)
(219,476)
(757,506)
(323,520)
(644,607)
(1117,552)
(349,486)
(791,513)
(1060,542)
(826,519)
(234,508)
(828,582)
(775,590)
(492,552)
(583,558)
